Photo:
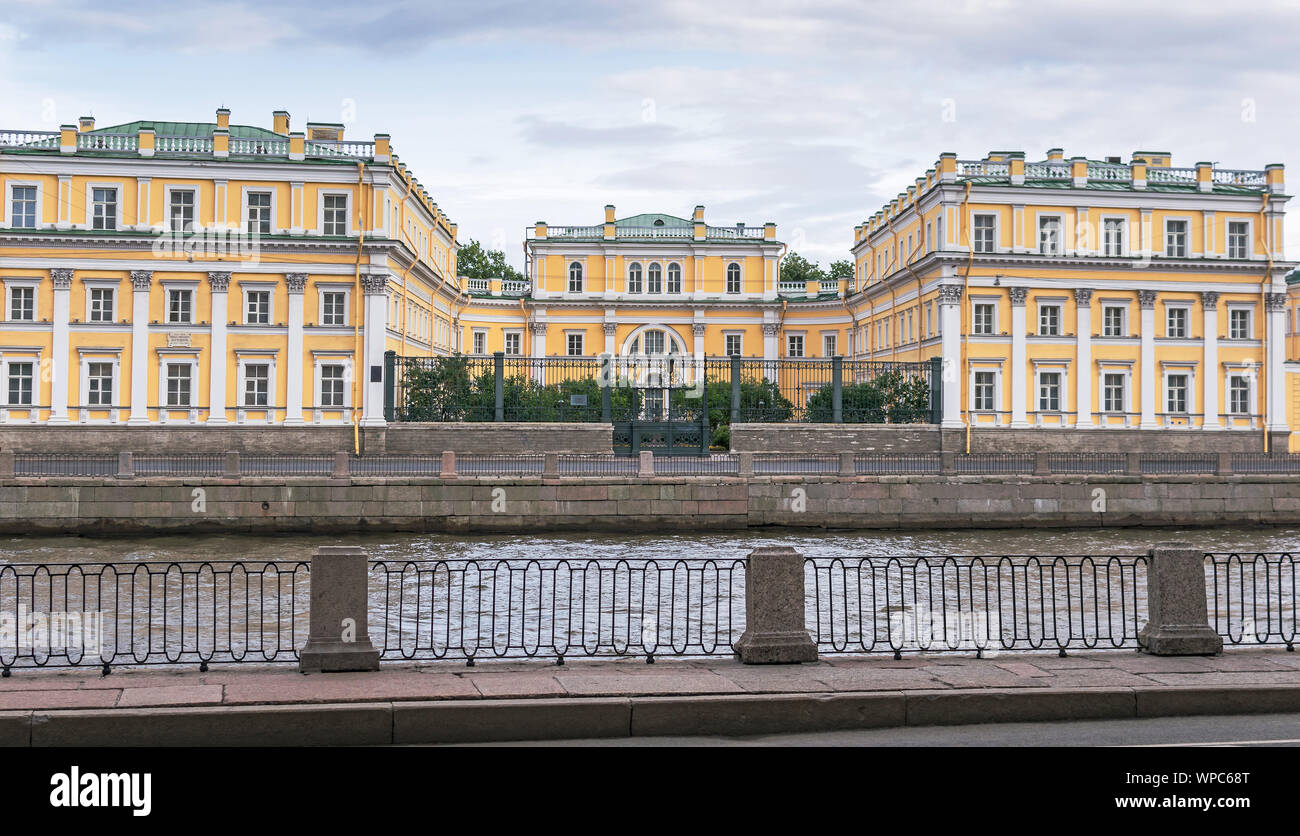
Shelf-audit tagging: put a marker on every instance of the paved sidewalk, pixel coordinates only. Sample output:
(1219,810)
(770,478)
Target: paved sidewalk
(449,701)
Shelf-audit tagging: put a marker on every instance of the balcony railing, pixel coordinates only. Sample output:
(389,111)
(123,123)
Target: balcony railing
(1240,177)
(734,231)
(1180,176)
(575,232)
(792,287)
(1109,173)
(1047,171)
(259,147)
(982,168)
(340,148)
(29,139)
(183,144)
(656,232)
(478,285)
(108,142)
(514,287)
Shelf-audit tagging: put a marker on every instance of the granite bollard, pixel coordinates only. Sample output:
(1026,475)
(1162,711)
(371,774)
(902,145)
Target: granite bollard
(1178,624)
(338,638)
(775,633)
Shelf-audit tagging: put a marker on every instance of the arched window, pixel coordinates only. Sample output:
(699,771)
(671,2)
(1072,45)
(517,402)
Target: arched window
(575,277)
(655,279)
(634,277)
(674,278)
(733,278)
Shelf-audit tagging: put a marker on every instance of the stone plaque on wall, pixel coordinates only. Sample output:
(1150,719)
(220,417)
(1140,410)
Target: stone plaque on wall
(178,339)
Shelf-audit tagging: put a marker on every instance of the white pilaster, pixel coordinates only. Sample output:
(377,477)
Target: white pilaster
(375,286)
(1019,397)
(1083,371)
(1210,361)
(950,326)
(220,283)
(297,283)
(611,329)
(60,370)
(1147,301)
(141,281)
(1275,419)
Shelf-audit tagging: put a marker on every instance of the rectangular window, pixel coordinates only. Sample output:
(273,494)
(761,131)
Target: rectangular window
(1238,395)
(1113,236)
(1049,392)
(23,208)
(99,384)
(1049,236)
(984,312)
(984,390)
(1238,324)
(331,385)
(103,208)
(1238,239)
(1176,322)
(1176,239)
(733,345)
(333,308)
(22,303)
(984,230)
(334,210)
(1112,393)
(1049,320)
(20,384)
(101,304)
(480,342)
(828,345)
(573,343)
(654,342)
(259,308)
(259,213)
(794,345)
(257,384)
(181,211)
(1112,321)
(514,342)
(180,306)
(1176,393)
(179,384)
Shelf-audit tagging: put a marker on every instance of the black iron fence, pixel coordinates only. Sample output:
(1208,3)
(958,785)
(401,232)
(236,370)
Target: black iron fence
(1252,596)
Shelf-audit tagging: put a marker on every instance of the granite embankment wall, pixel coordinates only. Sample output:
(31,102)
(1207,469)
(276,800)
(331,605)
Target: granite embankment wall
(107,506)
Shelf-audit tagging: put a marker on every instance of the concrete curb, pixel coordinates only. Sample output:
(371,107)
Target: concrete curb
(467,721)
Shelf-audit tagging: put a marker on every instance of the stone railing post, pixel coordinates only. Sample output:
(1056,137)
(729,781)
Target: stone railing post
(1042,465)
(948,462)
(1225,464)
(848,467)
(338,638)
(1179,623)
(342,465)
(775,633)
(231,466)
(1133,464)
(125,465)
(551,465)
(745,463)
(646,466)
(6,463)
(448,465)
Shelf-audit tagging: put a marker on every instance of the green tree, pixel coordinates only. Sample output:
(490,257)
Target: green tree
(477,262)
(841,270)
(890,397)
(796,268)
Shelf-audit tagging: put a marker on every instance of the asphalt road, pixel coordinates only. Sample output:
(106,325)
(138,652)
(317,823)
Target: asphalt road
(1248,730)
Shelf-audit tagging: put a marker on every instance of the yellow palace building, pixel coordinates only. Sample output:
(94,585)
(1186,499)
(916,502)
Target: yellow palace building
(213,273)
(1088,293)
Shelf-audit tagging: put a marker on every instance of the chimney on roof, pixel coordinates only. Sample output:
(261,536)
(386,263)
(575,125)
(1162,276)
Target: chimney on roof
(223,118)
(1055,155)
(1114,160)
(280,122)
(698,215)
(325,130)
(86,123)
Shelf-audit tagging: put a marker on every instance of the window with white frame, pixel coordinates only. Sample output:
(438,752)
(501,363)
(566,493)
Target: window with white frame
(1239,394)
(984,392)
(1113,320)
(1112,236)
(733,278)
(1049,235)
(101,304)
(332,377)
(794,345)
(656,342)
(257,307)
(103,205)
(733,344)
(1113,395)
(1239,323)
(634,277)
(22,303)
(1238,239)
(180,210)
(514,342)
(257,384)
(334,214)
(180,305)
(258,220)
(573,344)
(674,278)
(1049,391)
(985,232)
(180,384)
(828,345)
(480,342)
(1049,320)
(333,308)
(575,277)
(654,279)
(1176,388)
(985,314)
(1176,239)
(20,383)
(1176,322)
(22,207)
(99,384)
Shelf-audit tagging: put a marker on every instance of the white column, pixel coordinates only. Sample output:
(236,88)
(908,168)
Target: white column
(60,370)
(296,282)
(1276,310)
(375,286)
(220,283)
(539,350)
(771,332)
(1083,370)
(1210,362)
(1019,397)
(1147,301)
(697,343)
(141,281)
(610,330)
(950,327)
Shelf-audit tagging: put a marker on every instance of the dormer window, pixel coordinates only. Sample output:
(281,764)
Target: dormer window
(659,222)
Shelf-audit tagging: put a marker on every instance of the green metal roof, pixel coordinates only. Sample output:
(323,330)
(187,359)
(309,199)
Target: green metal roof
(196,129)
(650,219)
(1293,277)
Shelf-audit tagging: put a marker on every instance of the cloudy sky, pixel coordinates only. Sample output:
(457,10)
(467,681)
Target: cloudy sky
(810,114)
